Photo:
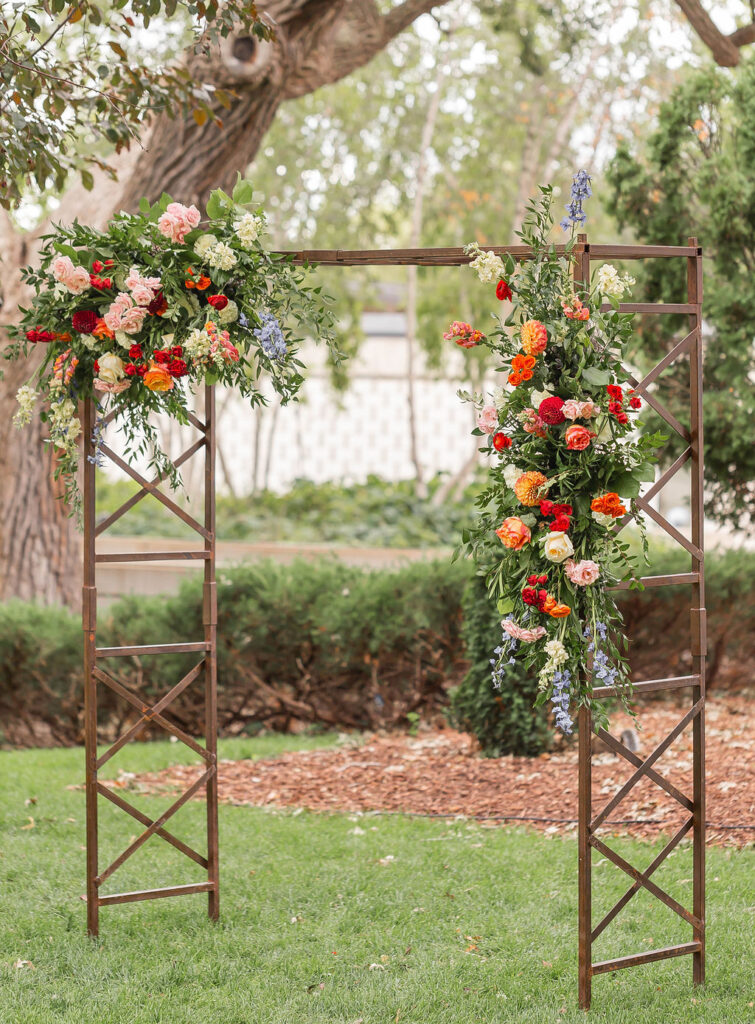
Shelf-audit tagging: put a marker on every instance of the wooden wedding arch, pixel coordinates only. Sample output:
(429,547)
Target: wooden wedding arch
(205,671)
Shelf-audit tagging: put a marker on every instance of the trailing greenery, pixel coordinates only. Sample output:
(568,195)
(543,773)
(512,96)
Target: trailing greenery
(465,924)
(378,513)
(693,176)
(503,720)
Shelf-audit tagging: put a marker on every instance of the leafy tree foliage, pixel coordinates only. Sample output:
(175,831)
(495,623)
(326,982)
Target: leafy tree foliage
(694,177)
(77,69)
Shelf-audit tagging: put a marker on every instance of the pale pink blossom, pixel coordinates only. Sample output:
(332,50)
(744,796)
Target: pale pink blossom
(526,636)
(588,409)
(178,220)
(571,409)
(142,295)
(487,419)
(72,277)
(583,573)
(123,315)
(111,389)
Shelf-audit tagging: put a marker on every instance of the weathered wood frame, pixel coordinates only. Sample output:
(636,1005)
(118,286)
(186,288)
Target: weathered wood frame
(588,839)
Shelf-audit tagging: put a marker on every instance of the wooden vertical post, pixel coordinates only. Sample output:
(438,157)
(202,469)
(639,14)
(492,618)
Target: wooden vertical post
(210,617)
(697,611)
(89,624)
(581,275)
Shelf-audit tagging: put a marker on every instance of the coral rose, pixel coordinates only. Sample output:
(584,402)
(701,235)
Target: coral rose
(587,410)
(558,547)
(534,337)
(72,277)
(583,573)
(178,220)
(157,378)
(513,533)
(487,419)
(578,438)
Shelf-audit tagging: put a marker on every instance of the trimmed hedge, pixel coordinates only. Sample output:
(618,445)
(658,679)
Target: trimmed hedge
(327,645)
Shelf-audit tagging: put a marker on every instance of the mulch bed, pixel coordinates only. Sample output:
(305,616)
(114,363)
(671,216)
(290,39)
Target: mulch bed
(441,773)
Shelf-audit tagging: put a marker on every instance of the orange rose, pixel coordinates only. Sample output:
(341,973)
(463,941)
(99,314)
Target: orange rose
(514,533)
(157,378)
(559,611)
(521,369)
(578,438)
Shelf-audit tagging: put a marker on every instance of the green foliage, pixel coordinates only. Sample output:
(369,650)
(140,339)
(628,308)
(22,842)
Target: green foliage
(316,927)
(693,176)
(377,513)
(503,721)
(73,70)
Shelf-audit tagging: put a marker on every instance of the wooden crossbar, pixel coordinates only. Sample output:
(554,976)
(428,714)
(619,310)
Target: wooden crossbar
(155,894)
(648,686)
(646,958)
(143,819)
(660,780)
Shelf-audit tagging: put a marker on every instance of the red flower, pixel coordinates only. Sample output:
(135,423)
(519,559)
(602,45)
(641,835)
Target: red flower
(546,507)
(141,370)
(84,321)
(135,352)
(501,442)
(177,350)
(550,410)
(615,392)
(39,335)
(635,402)
(161,357)
(97,266)
(562,510)
(158,305)
(102,283)
(622,417)
(130,370)
(502,291)
(532,580)
(542,597)
(529,595)
(614,408)
(542,579)
(218,302)
(560,523)
(177,367)
(96,366)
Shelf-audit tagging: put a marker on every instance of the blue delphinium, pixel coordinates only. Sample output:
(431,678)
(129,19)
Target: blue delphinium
(98,459)
(580,190)
(499,663)
(560,699)
(270,336)
(243,320)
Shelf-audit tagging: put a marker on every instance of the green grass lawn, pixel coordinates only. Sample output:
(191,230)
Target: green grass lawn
(338,919)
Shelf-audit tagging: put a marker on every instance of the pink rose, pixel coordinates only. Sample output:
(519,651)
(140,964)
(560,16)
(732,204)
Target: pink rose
(111,389)
(123,315)
(578,438)
(72,277)
(583,573)
(487,419)
(587,410)
(571,409)
(527,636)
(142,295)
(178,220)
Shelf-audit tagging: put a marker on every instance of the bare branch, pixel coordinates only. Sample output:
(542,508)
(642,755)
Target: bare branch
(724,49)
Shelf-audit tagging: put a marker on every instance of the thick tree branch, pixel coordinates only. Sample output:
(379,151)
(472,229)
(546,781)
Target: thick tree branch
(725,49)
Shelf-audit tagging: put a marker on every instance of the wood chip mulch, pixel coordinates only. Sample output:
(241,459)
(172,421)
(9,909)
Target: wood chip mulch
(441,773)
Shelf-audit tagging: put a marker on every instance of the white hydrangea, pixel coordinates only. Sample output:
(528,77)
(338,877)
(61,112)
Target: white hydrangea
(556,653)
(228,315)
(610,282)
(197,344)
(203,245)
(221,257)
(248,229)
(489,267)
(511,474)
(26,396)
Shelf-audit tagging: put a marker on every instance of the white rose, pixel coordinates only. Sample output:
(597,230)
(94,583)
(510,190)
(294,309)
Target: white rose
(511,474)
(203,244)
(558,547)
(111,368)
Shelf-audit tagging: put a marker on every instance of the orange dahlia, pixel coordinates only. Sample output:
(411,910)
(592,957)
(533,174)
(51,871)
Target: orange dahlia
(528,487)
(534,337)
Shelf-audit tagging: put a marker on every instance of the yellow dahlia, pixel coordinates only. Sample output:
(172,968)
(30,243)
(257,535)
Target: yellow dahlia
(534,337)
(527,488)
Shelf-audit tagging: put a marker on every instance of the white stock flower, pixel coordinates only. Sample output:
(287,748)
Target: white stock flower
(26,396)
(124,339)
(602,519)
(536,397)
(556,652)
(610,282)
(500,398)
(221,257)
(110,368)
(489,267)
(511,474)
(248,229)
(197,344)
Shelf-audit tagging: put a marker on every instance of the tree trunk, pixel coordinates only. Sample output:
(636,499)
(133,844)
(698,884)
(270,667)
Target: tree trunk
(317,42)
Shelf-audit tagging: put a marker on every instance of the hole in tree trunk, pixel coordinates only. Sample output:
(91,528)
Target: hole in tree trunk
(244,48)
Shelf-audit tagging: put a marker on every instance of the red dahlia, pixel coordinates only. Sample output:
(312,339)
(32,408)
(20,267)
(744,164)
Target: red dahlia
(502,291)
(550,410)
(84,321)
(218,302)
(501,442)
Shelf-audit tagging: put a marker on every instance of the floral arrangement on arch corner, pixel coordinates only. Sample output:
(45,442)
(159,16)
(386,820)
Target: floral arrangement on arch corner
(162,301)
(569,460)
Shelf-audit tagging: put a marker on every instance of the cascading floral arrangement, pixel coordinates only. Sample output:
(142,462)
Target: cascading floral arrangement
(569,460)
(140,314)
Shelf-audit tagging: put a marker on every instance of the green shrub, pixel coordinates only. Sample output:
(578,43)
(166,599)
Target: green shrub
(503,721)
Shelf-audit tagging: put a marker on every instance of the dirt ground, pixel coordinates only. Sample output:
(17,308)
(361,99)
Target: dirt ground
(441,773)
